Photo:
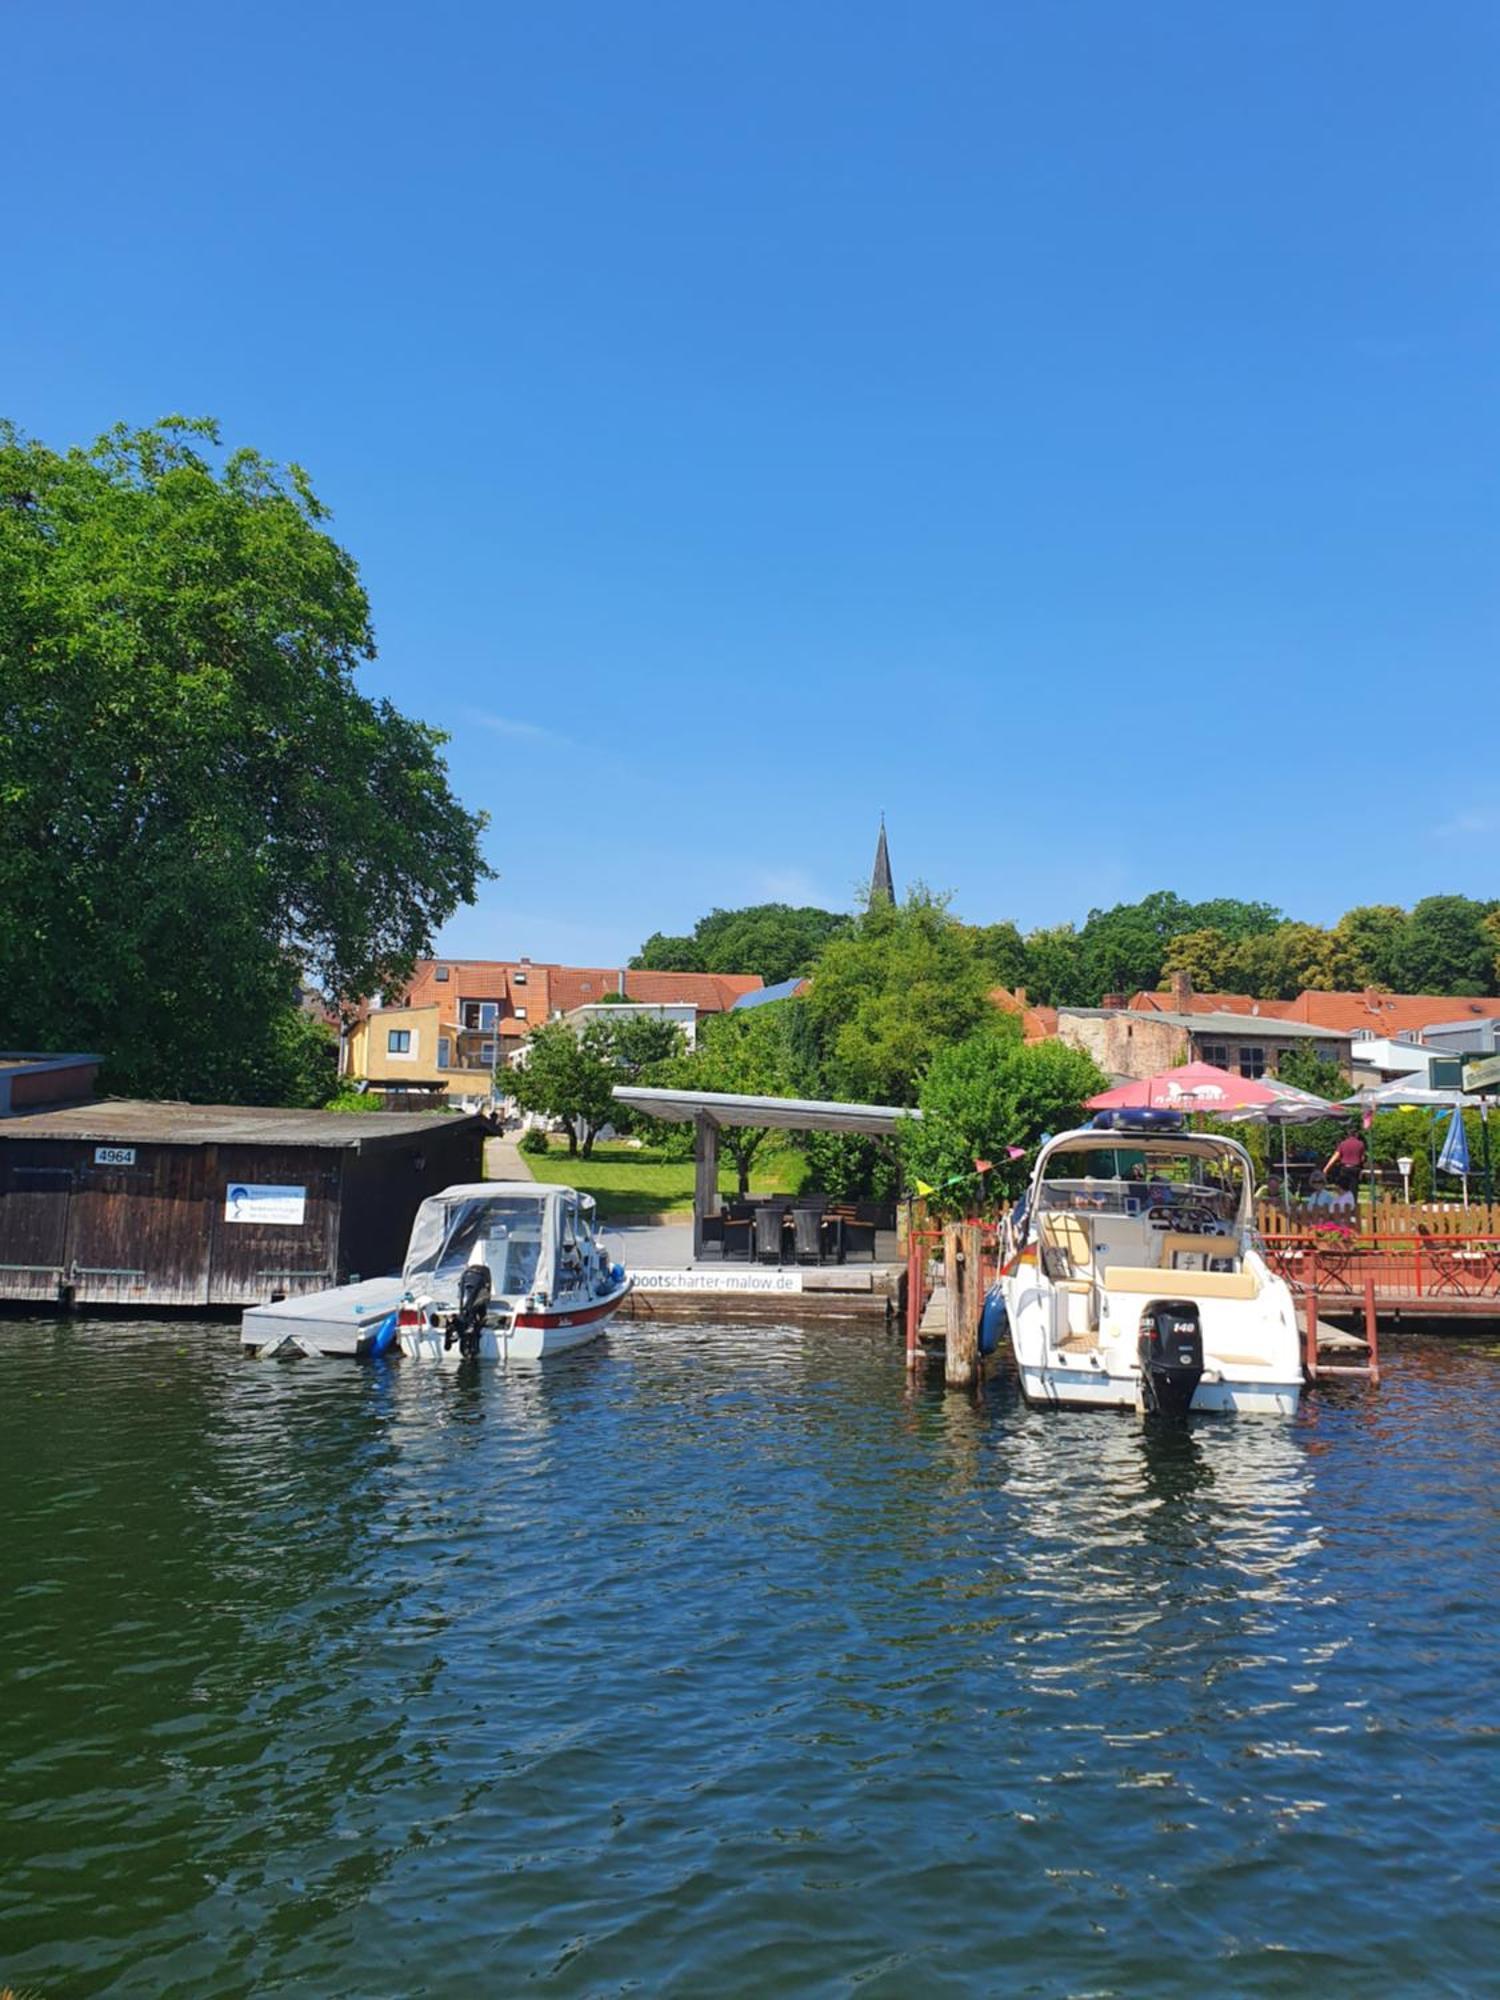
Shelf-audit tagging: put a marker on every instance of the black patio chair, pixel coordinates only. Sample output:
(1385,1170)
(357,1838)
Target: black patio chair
(768,1224)
(807,1233)
(737,1235)
(858,1235)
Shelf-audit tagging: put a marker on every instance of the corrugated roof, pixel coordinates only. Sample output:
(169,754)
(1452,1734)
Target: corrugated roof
(128,1121)
(794,1114)
(1272,1026)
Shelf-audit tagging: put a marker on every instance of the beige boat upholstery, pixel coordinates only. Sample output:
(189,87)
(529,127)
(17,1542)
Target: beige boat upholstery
(1159,1284)
(1067,1251)
(1174,1244)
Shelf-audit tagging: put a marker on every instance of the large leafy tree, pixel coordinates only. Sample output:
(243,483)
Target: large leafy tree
(197,805)
(1445,946)
(984,1095)
(907,980)
(752,1053)
(774,939)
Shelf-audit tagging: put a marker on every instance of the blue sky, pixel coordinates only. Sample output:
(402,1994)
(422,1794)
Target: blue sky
(1069,427)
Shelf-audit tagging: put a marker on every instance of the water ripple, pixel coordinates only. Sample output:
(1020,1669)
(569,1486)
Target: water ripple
(715,1659)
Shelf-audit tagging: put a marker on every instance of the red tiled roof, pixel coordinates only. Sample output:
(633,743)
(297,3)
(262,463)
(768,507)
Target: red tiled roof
(545,990)
(1038,1024)
(1208,1003)
(1387,1013)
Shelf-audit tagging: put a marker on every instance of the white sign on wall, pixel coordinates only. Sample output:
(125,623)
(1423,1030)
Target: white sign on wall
(114,1156)
(246,1203)
(717,1281)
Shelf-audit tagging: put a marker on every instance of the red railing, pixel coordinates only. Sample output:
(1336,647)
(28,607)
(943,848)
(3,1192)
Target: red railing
(1336,1264)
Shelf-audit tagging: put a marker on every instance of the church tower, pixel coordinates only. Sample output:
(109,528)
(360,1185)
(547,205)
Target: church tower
(882,887)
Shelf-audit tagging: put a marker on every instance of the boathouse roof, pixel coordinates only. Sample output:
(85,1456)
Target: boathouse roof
(130,1121)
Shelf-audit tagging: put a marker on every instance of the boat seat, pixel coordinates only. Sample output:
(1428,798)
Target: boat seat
(1066,1249)
(1158,1284)
(1175,1244)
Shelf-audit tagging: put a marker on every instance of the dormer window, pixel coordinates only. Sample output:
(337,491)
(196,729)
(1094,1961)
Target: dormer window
(518,979)
(440,974)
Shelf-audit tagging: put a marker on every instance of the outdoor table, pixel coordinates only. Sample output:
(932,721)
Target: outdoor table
(1466,1271)
(1331,1257)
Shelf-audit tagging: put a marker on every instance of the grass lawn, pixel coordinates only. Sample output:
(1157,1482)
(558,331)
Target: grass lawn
(625,1181)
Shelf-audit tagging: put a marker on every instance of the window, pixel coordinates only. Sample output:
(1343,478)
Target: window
(398,1041)
(487,1055)
(1216,1053)
(445,1051)
(440,974)
(1252,1060)
(518,979)
(520,1013)
(479,1014)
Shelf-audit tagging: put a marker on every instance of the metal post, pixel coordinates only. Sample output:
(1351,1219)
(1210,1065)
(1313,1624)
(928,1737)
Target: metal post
(1372,1341)
(705,1176)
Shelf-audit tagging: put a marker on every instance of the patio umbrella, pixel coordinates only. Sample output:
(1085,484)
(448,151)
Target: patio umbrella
(1194,1086)
(1454,1158)
(1290,1105)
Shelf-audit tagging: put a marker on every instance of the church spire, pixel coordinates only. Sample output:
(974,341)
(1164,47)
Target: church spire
(882,887)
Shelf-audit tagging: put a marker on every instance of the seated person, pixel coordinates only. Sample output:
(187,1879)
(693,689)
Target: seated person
(1319,1194)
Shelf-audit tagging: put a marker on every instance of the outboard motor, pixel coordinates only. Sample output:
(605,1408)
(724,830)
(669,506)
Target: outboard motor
(467,1324)
(1170,1349)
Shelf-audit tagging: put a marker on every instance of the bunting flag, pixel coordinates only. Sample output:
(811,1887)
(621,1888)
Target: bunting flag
(923,1189)
(983,1166)
(1014,1152)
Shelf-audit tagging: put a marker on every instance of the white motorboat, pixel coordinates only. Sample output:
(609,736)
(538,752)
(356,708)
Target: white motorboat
(1132,1276)
(505,1271)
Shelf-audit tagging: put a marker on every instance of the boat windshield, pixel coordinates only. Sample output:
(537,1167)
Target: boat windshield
(504,1232)
(1130,1181)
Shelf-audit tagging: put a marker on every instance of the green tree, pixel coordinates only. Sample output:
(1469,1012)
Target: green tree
(748,1053)
(1002,952)
(1055,972)
(904,982)
(774,939)
(1308,1070)
(1364,942)
(196,803)
(569,1076)
(1445,947)
(1207,956)
(661,953)
(986,1094)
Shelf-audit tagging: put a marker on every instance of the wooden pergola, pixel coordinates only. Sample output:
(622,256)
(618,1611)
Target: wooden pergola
(709,1111)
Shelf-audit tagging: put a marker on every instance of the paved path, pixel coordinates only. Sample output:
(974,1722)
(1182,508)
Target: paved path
(503,1161)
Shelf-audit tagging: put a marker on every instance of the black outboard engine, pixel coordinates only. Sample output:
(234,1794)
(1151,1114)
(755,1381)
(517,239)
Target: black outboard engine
(467,1324)
(1170,1348)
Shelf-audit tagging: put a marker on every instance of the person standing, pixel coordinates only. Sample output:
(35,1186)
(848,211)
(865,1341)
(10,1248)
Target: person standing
(1345,1163)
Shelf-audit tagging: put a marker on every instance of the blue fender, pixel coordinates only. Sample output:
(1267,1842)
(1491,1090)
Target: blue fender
(994,1321)
(382,1339)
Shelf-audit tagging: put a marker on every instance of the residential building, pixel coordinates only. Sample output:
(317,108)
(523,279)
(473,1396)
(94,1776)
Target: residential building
(1129,1044)
(1038,1024)
(462,1019)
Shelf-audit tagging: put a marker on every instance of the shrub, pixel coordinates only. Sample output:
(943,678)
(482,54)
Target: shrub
(535,1140)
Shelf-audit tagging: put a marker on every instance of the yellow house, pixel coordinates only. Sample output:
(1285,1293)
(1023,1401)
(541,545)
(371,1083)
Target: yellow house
(412,1049)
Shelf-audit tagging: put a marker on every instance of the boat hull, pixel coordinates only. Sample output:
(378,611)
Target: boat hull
(533,1336)
(1092,1389)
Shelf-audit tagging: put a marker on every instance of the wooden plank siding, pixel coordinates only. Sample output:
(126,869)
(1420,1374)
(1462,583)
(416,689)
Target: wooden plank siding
(151,1230)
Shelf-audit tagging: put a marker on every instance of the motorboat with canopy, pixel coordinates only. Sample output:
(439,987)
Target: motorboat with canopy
(505,1271)
(1132,1275)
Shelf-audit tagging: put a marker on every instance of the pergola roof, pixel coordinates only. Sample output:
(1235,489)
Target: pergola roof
(796,1114)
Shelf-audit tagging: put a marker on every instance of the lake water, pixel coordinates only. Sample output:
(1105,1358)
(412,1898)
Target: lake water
(714,1660)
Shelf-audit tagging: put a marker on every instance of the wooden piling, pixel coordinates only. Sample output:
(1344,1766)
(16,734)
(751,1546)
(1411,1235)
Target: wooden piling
(1310,1355)
(1372,1333)
(961,1270)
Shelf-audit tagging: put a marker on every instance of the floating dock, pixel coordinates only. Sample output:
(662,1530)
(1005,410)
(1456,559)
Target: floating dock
(342,1320)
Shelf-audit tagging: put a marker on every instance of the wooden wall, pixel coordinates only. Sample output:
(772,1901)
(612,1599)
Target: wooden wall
(154,1232)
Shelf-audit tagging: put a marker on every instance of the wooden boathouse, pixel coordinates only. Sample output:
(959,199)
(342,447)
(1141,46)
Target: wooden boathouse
(144,1204)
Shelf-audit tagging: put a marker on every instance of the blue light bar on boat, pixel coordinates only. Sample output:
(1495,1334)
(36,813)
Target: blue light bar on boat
(1138,1118)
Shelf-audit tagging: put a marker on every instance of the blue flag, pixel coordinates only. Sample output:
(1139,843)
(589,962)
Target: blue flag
(1454,1158)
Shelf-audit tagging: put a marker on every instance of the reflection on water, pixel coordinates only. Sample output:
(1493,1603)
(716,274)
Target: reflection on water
(718,1659)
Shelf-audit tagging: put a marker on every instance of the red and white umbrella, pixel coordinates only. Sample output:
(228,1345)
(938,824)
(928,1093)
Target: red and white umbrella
(1194,1086)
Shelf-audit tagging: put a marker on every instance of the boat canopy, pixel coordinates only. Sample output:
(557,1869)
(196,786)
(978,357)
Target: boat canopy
(526,1231)
(1149,1148)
